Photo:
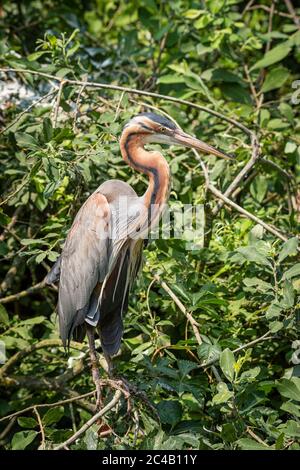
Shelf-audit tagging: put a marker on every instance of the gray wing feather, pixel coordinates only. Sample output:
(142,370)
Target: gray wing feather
(84,263)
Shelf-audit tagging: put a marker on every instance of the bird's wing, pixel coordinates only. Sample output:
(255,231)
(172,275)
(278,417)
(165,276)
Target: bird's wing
(84,262)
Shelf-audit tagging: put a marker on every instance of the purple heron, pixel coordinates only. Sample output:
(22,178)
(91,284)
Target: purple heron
(102,252)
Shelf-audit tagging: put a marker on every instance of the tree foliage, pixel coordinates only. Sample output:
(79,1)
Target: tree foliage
(238,387)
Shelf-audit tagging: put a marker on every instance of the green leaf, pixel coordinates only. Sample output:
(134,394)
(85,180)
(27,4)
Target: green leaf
(208,352)
(254,255)
(250,444)
(275,79)
(22,439)
(26,141)
(275,326)
(36,55)
(185,367)
(47,129)
(294,271)
(223,395)
(227,362)
(289,248)
(25,422)
(290,388)
(259,284)
(91,438)
(170,411)
(291,408)
(259,188)
(53,415)
(4,318)
(288,295)
(32,241)
(274,55)
(40,257)
(173,78)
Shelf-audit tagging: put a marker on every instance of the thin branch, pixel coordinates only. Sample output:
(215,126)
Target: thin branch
(11,224)
(292,12)
(264,337)
(57,104)
(181,307)
(7,428)
(23,293)
(241,175)
(91,421)
(43,443)
(243,211)
(136,92)
(26,110)
(34,347)
(47,405)
(77,107)
(276,12)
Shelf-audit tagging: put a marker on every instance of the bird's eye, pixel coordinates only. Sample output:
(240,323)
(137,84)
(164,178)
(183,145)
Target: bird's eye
(162,130)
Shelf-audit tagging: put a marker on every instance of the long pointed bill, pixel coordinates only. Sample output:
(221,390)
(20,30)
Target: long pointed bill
(181,138)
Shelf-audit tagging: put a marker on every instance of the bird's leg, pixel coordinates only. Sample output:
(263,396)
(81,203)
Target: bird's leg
(110,365)
(95,366)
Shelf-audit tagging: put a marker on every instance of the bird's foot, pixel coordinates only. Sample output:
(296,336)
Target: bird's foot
(98,385)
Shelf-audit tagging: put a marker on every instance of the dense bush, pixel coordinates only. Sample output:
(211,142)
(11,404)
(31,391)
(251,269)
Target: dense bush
(238,386)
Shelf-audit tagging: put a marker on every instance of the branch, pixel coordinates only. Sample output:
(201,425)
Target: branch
(26,110)
(134,91)
(181,307)
(23,293)
(43,443)
(34,347)
(292,12)
(264,337)
(243,211)
(47,405)
(57,104)
(91,421)
(11,223)
(242,174)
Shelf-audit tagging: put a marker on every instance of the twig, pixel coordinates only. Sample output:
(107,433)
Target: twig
(77,107)
(136,92)
(241,175)
(181,307)
(47,405)
(57,104)
(292,12)
(11,223)
(43,443)
(257,438)
(243,211)
(46,343)
(91,421)
(23,293)
(26,110)
(264,337)
(266,8)
(7,428)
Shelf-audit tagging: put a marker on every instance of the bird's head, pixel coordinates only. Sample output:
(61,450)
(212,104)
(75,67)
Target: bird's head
(158,129)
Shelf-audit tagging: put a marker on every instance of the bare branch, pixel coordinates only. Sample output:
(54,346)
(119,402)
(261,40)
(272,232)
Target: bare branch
(47,405)
(46,343)
(23,293)
(134,91)
(43,443)
(91,421)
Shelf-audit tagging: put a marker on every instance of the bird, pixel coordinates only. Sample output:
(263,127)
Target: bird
(102,253)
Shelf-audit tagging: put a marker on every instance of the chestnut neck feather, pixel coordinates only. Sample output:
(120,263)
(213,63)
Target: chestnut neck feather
(152,164)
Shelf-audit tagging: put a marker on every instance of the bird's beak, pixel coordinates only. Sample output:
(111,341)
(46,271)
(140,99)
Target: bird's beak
(181,138)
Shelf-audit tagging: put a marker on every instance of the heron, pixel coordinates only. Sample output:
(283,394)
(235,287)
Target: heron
(102,254)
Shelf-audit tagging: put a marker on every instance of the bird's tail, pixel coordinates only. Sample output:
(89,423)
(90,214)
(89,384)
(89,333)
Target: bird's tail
(111,332)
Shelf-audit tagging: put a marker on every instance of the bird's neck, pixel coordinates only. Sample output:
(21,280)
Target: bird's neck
(152,164)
